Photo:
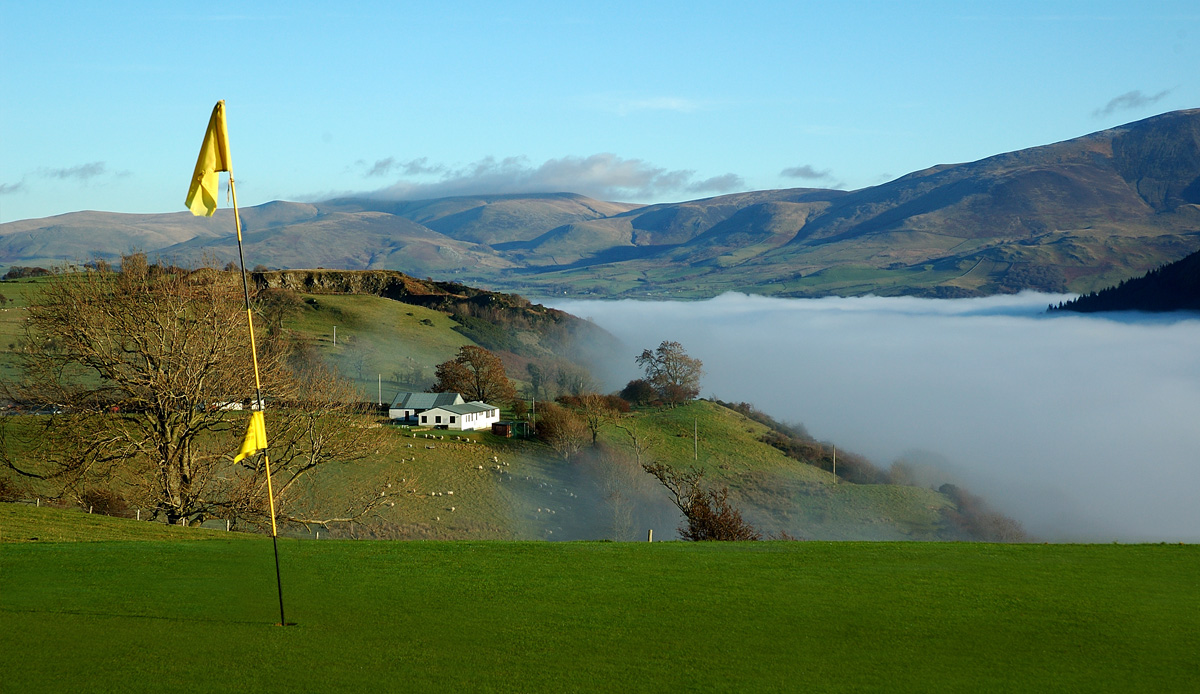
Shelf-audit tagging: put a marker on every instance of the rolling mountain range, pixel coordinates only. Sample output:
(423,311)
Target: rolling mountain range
(1076,215)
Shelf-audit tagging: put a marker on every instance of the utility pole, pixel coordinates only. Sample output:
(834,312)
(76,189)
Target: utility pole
(381,390)
(695,439)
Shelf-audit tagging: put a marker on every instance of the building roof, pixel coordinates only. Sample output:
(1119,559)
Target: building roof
(468,407)
(425,401)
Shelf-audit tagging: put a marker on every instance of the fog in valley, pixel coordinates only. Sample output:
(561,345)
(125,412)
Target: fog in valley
(1081,427)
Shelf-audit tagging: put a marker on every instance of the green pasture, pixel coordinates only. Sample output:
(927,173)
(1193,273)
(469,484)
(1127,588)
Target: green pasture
(449,488)
(12,320)
(378,336)
(181,616)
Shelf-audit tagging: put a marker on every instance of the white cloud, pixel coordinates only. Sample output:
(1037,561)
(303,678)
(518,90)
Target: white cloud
(604,176)
(82,172)
(1130,100)
(624,105)
(806,171)
(10,188)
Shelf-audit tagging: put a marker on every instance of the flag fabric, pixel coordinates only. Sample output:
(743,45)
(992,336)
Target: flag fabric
(256,437)
(214,157)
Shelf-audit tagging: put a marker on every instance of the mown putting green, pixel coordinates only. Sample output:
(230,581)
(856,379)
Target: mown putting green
(511,616)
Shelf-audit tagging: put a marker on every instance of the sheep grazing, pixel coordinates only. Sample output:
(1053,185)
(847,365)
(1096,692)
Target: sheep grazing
(450,493)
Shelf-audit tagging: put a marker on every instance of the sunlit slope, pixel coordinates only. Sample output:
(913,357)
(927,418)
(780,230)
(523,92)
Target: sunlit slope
(481,486)
(1076,215)
(30,523)
(12,320)
(377,337)
(778,493)
(444,485)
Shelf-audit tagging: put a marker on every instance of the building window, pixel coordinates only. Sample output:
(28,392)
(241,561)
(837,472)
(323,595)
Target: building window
(437,419)
(424,419)
(451,419)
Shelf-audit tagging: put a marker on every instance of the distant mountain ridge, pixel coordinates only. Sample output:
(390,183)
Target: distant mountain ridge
(1076,215)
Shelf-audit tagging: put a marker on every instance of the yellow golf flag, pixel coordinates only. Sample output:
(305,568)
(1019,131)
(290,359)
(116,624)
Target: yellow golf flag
(214,157)
(256,437)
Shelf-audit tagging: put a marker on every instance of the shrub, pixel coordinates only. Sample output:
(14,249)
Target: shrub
(639,392)
(17,272)
(711,517)
(708,513)
(105,502)
(562,429)
(9,491)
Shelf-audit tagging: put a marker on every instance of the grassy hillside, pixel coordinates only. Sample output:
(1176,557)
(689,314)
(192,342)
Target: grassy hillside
(530,492)
(388,324)
(474,616)
(12,319)
(377,336)
(484,487)
(479,486)
(30,523)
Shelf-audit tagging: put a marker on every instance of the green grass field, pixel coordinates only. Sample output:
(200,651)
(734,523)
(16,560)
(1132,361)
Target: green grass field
(158,616)
(378,336)
(12,320)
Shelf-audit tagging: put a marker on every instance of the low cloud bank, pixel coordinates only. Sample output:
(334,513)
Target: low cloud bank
(1081,427)
(604,176)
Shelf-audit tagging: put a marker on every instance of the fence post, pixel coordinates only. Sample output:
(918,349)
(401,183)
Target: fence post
(139,514)
(650,535)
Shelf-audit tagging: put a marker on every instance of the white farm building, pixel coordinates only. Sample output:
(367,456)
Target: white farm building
(407,407)
(464,417)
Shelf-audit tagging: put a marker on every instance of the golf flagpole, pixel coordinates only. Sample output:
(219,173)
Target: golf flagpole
(202,200)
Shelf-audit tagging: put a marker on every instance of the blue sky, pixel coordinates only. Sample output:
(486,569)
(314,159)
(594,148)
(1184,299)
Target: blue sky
(103,106)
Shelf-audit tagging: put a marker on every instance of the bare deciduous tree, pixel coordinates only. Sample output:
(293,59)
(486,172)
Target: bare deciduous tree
(477,374)
(671,372)
(145,368)
(640,443)
(708,513)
